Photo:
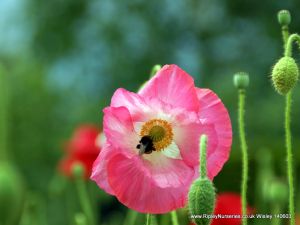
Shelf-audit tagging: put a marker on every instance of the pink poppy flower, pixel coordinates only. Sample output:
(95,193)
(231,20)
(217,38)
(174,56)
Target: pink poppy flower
(84,147)
(151,155)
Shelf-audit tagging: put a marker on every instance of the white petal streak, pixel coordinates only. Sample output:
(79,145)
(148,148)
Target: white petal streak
(172,151)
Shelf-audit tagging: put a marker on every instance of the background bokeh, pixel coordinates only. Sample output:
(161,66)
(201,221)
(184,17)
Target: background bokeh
(66,58)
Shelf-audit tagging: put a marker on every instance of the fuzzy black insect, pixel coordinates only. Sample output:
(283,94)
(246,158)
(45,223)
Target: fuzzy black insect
(146,145)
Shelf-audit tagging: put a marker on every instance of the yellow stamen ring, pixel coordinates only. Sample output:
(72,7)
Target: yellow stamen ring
(160,132)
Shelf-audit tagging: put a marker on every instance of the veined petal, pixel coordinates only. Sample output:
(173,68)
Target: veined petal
(217,126)
(173,86)
(99,171)
(187,137)
(149,188)
(118,128)
(135,104)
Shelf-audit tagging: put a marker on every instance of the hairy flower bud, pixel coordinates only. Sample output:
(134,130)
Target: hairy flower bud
(11,194)
(285,74)
(202,192)
(201,200)
(241,80)
(284,17)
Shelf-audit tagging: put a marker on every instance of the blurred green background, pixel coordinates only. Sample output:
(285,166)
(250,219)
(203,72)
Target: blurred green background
(65,58)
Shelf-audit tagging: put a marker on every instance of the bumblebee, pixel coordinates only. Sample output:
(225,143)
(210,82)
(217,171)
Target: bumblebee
(145,145)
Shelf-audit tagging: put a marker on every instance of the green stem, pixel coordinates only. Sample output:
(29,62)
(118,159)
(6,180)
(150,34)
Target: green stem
(289,44)
(130,217)
(174,218)
(84,197)
(3,115)
(276,210)
(148,219)
(288,140)
(285,35)
(203,143)
(241,114)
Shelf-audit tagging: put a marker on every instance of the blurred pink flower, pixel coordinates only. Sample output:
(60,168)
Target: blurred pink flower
(151,155)
(82,148)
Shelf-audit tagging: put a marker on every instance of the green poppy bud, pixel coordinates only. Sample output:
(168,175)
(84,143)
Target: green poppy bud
(78,170)
(284,17)
(241,80)
(202,192)
(285,74)
(154,70)
(201,200)
(11,194)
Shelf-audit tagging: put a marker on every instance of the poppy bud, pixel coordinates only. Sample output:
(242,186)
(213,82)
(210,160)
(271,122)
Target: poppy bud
(202,192)
(284,17)
(78,170)
(285,74)
(11,194)
(241,80)
(154,70)
(201,200)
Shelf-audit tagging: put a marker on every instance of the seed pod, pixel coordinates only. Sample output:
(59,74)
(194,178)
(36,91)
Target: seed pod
(284,17)
(201,200)
(285,75)
(241,80)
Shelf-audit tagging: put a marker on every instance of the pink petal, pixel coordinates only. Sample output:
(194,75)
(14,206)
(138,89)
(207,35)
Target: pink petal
(173,86)
(147,189)
(99,171)
(118,128)
(132,101)
(187,138)
(217,126)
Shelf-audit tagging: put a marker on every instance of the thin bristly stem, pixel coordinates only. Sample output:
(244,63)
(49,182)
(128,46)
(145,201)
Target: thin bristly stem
(289,44)
(203,143)
(241,114)
(288,140)
(285,35)
(148,219)
(174,218)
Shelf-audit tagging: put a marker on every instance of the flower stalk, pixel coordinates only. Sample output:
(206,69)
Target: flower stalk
(239,81)
(288,140)
(78,173)
(242,95)
(290,73)
(148,219)
(174,218)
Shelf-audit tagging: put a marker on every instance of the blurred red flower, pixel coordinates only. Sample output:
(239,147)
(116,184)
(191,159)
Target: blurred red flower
(228,203)
(83,147)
